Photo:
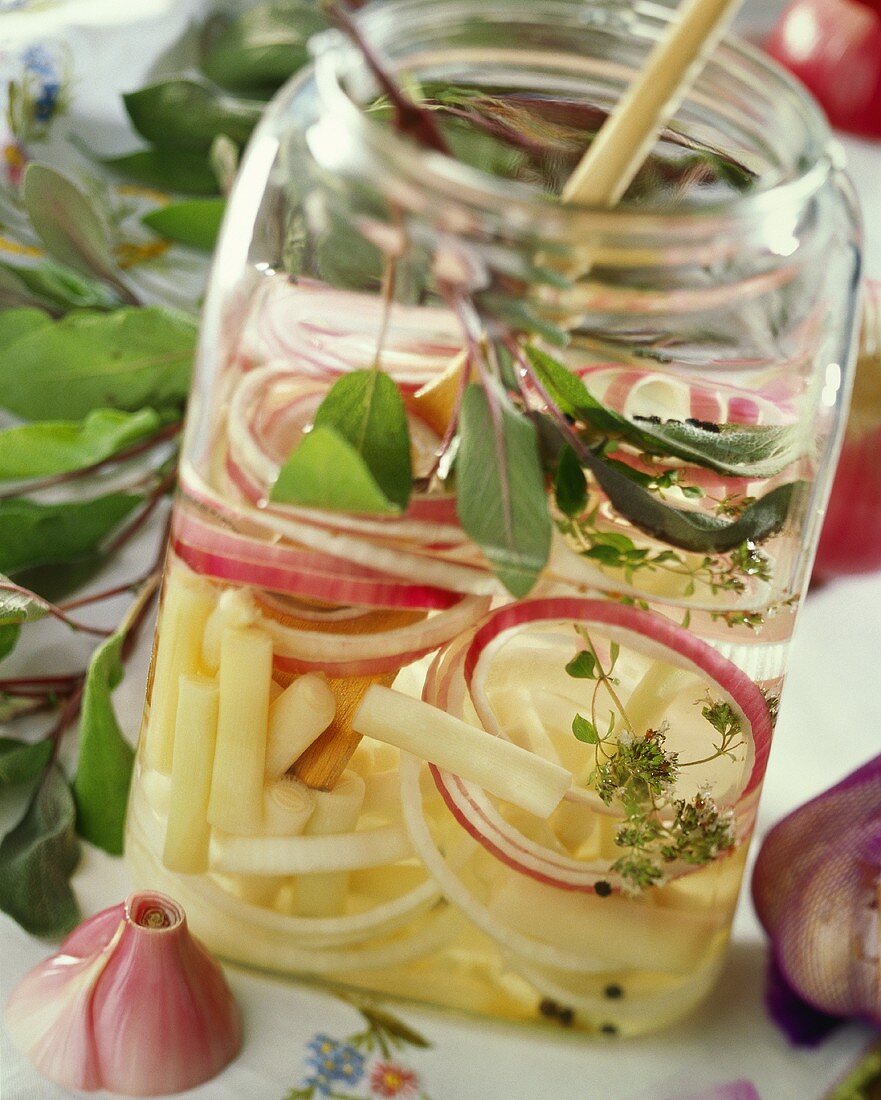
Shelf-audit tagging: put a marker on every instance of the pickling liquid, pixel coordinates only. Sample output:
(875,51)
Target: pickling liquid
(357,863)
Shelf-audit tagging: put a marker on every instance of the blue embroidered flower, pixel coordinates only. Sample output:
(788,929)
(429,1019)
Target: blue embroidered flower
(333,1061)
(39,61)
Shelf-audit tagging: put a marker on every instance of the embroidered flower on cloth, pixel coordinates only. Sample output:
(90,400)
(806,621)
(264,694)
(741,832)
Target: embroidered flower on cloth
(388,1079)
(333,1062)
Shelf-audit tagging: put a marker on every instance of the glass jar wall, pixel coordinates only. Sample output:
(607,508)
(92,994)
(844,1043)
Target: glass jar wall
(481,718)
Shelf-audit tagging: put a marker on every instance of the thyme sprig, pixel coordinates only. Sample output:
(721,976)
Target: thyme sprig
(636,773)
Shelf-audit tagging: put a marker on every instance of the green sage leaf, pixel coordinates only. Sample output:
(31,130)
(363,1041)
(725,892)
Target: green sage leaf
(585,730)
(9,635)
(126,359)
(104,769)
(37,859)
(501,489)
(570,484)
(740,450)
(367,409)
(189,115)
(51,447)
(19,604)
(195,222)
(21,761)
(263,46)
(696,531)
(69,226)
(325,471)
(15,324)
(52,286)
(33,534)
(358,451)
(167,169)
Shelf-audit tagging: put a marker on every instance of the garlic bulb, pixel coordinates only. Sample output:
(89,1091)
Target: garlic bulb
(131,1003)
(816,892)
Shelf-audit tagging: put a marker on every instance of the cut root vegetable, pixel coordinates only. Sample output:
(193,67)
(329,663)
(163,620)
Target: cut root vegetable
(500,767)
(309,855)
(287,806)
(335,811)
(236,803)
(188,832)
(188,601)
(235,609)
(303,711)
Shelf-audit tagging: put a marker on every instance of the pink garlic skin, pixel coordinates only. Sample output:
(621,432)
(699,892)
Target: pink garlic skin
(131,1003)
(816,891)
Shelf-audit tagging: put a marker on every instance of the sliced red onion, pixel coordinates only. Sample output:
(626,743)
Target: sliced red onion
(815,888)
(468,660)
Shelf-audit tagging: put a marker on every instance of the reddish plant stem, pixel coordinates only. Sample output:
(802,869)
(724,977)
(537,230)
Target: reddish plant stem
(168,432)
(410,118)
(156,495)
(107,593)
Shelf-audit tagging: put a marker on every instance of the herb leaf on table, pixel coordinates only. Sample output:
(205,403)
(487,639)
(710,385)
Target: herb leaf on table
(52,286)
(21,761)
(104,770)
(127,359)
(189,114)
(37,858)
(70,227)
(194,222)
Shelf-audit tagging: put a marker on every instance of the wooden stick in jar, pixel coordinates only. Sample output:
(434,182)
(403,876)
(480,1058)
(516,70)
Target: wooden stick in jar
(624,141)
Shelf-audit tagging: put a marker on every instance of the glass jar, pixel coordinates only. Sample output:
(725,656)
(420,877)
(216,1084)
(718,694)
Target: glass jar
(495,742)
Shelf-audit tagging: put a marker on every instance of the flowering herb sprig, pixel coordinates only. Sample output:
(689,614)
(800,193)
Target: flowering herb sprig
(636,774)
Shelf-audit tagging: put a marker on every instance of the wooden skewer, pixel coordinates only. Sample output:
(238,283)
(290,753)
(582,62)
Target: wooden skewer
(624,141)
(603,175)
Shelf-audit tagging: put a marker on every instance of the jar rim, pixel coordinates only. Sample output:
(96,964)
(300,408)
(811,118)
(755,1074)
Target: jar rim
(525,204)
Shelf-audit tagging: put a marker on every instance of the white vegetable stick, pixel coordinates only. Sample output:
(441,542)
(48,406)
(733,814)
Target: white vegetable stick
(235,608)
(187,602)
(382,795)
(650,699)
(287,806)
(500,767)
(312,856)
(336,811)
(188,832)
(298,716)
(236,803)
(625,140)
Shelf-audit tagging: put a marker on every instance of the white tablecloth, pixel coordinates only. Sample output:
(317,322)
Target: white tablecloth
(828,725)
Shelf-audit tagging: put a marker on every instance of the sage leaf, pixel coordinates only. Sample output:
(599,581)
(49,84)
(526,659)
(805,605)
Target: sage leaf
(570,484)
(195,222)
(21,761)
(692,530)
(739,450)
(49,447)
(69,226)
(325,471)
(33,534)
(18,323)
(9,635)
(501,498)
(189,115)
(19,605)
(88,360)
(367,409)
(105,763)
(37,859)
(357,456)
(52,286)
(167,169)
(261,47)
